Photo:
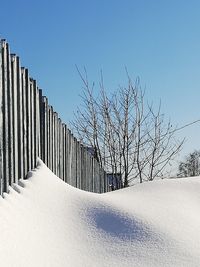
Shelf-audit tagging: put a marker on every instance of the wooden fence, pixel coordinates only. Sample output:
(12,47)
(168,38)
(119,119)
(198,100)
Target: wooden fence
(30,128)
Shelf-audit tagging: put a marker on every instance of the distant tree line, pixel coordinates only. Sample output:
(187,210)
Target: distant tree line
(190,166)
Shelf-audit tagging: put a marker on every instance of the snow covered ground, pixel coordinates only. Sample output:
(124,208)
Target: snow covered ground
(51,224)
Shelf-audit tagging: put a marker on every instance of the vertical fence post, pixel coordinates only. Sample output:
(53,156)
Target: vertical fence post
(83,174)
(41,122)
(20,122)
(73,163)
(78,160)
(83,169)
(48,138)
(76,163)
(37,126)
(64,151)
(24,122)
(1,119)
(92,174)
(10,118)
(53,142)
(69,156)
(31,124)
(34,123)
(50,109)
(56,143)
(61,150)
(5,118)
(44,126)
(27,119)
(90,171)
(15,119)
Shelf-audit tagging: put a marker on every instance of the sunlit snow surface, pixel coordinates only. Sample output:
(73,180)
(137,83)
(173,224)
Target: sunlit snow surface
(51,224)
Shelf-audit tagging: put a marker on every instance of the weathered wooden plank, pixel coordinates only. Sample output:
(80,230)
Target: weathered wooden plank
(73,162)
(41,125)
(37,144)
(82,166)
(53,142)
(66,153)
(1,119)
(44,126)
(35,122)
(89,171)
(90,174)
(31,125)
(10,118)
(72,182)
(106,186)
(56,143)
(83,172)
(34,117)
(24,120)
(78,163)
(27,119)
(50,136)
(86,170)
(63,149)
(15,117)
(20,143)
(58,146)
(96,177)
(68,156)
(101,180)
(5,117)
(51,133)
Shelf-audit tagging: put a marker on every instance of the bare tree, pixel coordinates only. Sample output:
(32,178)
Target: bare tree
(129,139)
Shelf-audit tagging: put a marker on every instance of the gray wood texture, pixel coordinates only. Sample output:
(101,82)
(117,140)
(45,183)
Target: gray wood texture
(15,120)
(30,128)
(1,119)
(5,117)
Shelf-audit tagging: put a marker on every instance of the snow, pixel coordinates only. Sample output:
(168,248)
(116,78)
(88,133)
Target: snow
(45,222)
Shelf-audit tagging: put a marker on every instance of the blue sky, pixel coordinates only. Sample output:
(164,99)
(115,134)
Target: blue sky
(159,41)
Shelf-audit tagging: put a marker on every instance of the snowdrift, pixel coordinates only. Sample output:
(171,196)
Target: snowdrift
(47,223)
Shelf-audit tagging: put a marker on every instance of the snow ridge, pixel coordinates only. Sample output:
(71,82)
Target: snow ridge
(47,223)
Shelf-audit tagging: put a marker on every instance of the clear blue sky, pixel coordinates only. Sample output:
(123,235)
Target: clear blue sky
(159,41)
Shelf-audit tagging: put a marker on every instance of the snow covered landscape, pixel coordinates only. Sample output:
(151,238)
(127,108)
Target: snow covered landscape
(99,133)
(45,222)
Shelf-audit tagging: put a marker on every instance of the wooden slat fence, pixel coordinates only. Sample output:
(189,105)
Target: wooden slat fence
(30,128)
